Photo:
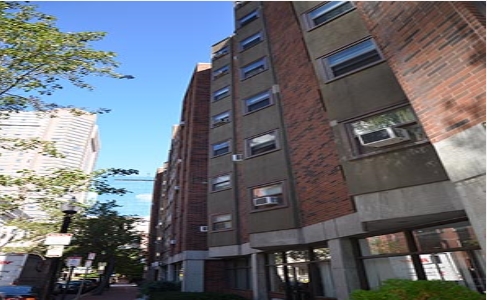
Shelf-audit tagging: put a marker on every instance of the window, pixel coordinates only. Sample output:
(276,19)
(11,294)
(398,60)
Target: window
(223,51)
(220,119)
(262,144)
(254,68)
(258,101)
(221,222)
(446,252)
(386,129)
(221,93)
(350,59)
(251,41)
(248,18)
(220,148)
(265,196)
(220,72)
(220,183)
(238,273)
(327,12)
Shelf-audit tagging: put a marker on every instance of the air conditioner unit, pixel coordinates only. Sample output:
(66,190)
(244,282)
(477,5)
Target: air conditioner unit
(176,187)
(384,137)
(203,228)
(266,201)
(237,157)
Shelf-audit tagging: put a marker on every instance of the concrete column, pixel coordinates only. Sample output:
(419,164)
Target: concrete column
(259,287)
(343,268)
(193,276)
(170,272)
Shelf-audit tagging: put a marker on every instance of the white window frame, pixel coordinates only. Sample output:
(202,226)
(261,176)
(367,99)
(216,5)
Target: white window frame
(251,41)
(348,54)
(220,119)
(259,98)
(249,147)
(324,9)
(221,93)
(224,180)
(253,68)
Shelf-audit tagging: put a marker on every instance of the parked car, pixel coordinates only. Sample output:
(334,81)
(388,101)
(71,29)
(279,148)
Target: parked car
(20,292)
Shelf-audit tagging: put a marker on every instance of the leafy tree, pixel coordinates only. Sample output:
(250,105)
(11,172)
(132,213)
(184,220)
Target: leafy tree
(112,236)
(36,60)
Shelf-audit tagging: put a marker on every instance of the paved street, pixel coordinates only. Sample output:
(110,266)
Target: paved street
(116,292)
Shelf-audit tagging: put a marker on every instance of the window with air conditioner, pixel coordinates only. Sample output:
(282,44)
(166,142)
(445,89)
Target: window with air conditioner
(220,148)
(327,12)
(221,222)
(220,119)
(385,130)
(262,144)
(221,182)
(253,68)
(267,196)
(350,59)
(258,101)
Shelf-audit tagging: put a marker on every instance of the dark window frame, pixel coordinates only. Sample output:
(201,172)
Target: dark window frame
(329,8)
(254,68)
(248,18)
(221,119)
(249,148)
(282,195)
(259,99)
(221,93)
(222,52)
(214,153)
(251,41)
(362,59)
(229,221)
(220,72)
(214,186)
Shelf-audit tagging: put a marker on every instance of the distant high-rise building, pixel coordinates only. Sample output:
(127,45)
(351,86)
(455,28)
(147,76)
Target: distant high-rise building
(75,136)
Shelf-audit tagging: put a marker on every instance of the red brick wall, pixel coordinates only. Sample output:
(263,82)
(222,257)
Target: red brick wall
(193,152)
(320,187)
(437,52)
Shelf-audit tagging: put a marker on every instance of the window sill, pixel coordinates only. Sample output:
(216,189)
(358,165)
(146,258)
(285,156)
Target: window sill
(388,150)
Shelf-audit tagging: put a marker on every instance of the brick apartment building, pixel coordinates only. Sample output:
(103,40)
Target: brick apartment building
(329,146)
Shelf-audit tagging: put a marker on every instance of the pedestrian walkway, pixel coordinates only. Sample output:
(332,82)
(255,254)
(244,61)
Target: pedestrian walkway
(116,292)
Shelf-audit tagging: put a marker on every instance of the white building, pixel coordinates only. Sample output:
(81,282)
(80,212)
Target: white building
(75,136)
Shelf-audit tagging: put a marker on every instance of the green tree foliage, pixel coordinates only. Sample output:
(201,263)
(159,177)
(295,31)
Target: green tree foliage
(112,236)
(403,289)
(37,59)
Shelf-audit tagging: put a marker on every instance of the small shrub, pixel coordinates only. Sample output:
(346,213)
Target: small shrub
(193,296)
(159,286)
(403,289)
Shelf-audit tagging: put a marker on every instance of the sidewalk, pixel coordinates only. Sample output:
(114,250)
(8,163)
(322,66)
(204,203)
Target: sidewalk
(116,292)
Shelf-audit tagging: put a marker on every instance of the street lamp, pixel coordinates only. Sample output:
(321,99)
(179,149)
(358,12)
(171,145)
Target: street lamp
(69,209)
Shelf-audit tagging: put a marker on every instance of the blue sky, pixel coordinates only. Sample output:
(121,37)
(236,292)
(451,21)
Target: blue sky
(158,42)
